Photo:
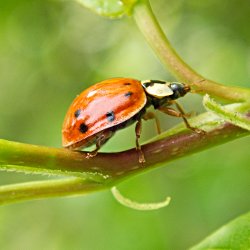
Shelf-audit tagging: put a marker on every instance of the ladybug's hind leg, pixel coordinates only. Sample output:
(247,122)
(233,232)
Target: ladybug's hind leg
(151,115)
(138,128)
(94,152)
(100,140)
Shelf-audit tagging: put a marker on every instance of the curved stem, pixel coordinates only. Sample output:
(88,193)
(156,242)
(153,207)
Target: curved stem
(136,205)
(149,26)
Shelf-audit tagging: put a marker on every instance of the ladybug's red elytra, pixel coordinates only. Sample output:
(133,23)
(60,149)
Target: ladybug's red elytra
(102,109)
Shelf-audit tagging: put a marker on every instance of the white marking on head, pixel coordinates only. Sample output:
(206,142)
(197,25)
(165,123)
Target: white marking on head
(159,90)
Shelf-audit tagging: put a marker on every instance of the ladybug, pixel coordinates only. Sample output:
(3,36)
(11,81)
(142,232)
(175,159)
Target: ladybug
(102,109)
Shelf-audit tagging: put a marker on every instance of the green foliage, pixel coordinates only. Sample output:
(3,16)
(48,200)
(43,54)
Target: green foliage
(109,8)
(234,235)
(232,116)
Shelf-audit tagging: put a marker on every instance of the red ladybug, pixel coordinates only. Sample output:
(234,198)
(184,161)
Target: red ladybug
(102,109)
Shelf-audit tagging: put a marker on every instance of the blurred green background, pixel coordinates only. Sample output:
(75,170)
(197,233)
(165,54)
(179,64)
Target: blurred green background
(50,51)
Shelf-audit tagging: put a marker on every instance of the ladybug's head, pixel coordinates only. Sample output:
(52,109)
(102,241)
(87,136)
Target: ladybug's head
(161,89)
(179,89)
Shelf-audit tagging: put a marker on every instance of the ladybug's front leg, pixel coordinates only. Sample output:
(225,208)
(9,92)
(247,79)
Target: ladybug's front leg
(138,128)
(182,114)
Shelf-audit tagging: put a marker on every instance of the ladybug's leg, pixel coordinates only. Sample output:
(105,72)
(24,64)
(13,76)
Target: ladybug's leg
(100,140)
(94,152)
(181,113)
(151,115)
(184,117)
(138,128)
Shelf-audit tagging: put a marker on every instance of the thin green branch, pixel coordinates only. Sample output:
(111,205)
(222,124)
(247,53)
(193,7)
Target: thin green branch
(46,189)
(149,26)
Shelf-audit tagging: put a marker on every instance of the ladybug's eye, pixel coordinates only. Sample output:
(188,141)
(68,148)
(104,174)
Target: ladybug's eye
(179,89)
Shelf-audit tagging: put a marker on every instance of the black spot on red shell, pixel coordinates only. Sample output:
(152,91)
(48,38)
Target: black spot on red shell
(128,94)
(77,113)
(127,83)
(83,128)
(110,116)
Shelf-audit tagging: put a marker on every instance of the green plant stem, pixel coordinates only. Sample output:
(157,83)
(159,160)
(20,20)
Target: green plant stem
(46,189)
(106,169)
(34,159)
(110,167)
(149,26)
